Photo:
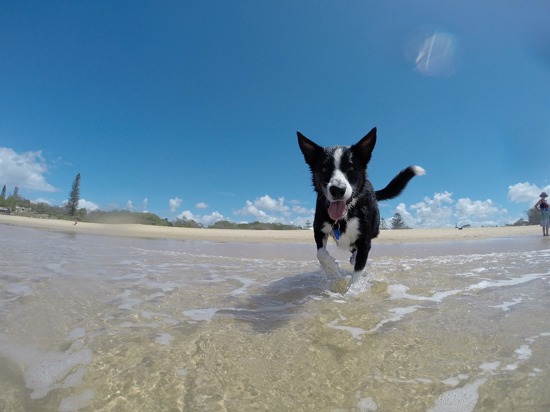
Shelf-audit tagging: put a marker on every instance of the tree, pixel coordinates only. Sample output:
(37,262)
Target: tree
(74,197)
(533,216)
(12,201)
(398,222)
(383,224)
(184,222)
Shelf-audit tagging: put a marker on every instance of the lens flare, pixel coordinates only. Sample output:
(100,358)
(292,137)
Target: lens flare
(434,54)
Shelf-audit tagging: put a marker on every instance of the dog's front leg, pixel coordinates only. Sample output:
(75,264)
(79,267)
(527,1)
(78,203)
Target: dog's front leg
(328,263)
(361,255)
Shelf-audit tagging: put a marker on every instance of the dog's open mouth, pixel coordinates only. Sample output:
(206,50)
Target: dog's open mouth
(337,209)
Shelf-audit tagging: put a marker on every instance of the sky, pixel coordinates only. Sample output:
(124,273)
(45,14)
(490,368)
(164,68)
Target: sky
(190,109)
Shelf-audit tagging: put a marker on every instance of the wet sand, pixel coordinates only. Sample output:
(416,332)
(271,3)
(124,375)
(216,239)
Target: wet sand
(262,236)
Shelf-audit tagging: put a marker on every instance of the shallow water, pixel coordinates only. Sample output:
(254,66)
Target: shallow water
(91,323)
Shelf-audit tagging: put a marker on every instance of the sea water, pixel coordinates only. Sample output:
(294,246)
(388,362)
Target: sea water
(91,323)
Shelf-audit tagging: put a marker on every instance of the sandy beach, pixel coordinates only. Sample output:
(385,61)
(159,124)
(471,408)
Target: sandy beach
(261,236)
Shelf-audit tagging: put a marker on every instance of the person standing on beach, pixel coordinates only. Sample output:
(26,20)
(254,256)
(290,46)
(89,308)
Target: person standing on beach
(542,206)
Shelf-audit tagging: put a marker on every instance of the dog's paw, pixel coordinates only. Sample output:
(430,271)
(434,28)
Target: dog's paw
(356,276)
(328,263)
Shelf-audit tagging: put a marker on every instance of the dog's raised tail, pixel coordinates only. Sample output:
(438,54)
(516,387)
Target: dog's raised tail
(398,183)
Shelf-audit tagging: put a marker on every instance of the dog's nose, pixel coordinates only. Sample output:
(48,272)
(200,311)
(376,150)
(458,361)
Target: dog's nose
(337,192)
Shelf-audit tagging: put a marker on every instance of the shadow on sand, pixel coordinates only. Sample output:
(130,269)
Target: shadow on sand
(279,301)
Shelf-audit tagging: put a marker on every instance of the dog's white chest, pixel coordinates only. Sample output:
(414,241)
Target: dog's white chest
(347,238)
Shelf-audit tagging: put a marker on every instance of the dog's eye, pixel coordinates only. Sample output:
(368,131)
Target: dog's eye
(350,170)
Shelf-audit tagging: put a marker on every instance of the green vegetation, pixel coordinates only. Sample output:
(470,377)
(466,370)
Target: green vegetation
(125,216)
(224,224)
(186,223)
(20,206)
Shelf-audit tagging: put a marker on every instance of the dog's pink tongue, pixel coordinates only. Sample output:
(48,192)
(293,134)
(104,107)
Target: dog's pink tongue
(337,210)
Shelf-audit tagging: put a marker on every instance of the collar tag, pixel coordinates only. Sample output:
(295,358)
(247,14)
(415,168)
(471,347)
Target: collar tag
(336,232)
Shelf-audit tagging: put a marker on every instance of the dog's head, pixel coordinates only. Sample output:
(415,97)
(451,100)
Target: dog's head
(338,172)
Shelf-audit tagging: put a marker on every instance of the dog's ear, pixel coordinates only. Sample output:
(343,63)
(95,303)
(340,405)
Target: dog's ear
(309,149)
(364,147)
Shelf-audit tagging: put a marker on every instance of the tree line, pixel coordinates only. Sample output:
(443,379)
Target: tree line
(16,203)
(70,211)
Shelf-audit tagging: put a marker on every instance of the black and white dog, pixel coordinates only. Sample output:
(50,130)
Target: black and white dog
(347,204)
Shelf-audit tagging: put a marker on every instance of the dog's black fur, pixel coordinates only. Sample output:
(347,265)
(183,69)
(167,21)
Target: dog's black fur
(347,204)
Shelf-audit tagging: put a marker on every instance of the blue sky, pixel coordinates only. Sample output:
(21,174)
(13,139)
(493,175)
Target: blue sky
(191,108)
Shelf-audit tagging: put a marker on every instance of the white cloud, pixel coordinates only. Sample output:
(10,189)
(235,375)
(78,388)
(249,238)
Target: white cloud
(201,205)
(300,210)
(205,220)
(130,205)
(267,202)
(251,209)
(86,204)
(435,212)
(407,217)
(25,170)
(525,192)
(266,209)
(174,204)
(43,200)
(466,207)
(443,211)
(145,203)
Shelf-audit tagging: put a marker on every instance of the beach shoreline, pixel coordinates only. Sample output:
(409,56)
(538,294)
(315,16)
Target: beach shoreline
(261,236)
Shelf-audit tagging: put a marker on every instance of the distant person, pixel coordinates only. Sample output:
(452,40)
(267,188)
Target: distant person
(75,222)
(542,206)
